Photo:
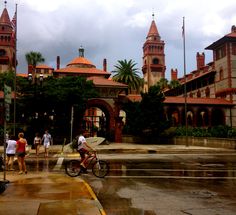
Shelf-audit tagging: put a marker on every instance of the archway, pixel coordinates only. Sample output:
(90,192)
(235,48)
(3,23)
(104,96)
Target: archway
(218,117)
(202,117)
(174,116)
(99,119)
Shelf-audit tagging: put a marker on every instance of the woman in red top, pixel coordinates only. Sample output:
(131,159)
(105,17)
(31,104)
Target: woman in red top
(20,151)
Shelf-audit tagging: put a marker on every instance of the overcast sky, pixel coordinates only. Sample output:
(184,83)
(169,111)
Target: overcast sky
(117,29)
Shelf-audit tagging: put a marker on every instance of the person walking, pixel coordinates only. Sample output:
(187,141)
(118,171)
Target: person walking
(37,143)
(21,145)
(46,140)
(10,152)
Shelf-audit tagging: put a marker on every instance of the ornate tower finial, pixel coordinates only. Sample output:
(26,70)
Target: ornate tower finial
(153,14)
(5,2)
(81,51)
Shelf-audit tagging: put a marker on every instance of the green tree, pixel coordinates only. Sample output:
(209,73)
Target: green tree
(146,118)
(7,78)
(54,97)
(33,58)
(152,116)
(127,73)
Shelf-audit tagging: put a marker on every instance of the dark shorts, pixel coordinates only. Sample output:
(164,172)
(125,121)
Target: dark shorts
(10,155)
(21,154)
(83,152)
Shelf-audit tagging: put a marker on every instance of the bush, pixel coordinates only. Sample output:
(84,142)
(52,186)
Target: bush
(217,131)
(170,132)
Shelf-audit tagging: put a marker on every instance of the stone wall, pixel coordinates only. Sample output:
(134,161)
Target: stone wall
(207,142)
(191,141)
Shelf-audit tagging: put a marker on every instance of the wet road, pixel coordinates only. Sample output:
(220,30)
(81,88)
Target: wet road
(176,184)
(164,184)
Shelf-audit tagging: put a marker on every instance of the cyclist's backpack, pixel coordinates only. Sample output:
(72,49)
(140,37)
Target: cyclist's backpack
(75,143)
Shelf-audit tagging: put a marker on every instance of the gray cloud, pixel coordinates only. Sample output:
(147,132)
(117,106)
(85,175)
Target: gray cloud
(116,30)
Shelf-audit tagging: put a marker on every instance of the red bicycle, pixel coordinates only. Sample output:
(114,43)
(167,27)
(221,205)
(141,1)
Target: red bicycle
(100,168)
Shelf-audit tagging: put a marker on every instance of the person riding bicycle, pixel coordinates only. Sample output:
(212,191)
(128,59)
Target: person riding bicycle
(83,150)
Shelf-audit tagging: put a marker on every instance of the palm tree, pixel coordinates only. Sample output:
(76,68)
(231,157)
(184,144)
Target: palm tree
(174,84)
(162,83)
(127,73)
(33,58)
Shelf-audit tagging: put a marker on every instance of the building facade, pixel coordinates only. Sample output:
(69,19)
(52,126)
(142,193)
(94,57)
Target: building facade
(212,85)
(7,42)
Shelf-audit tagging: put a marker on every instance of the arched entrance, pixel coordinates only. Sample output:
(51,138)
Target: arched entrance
(99,119)
(218,117)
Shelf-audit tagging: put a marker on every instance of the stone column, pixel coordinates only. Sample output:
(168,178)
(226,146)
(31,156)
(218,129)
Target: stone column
(118,129)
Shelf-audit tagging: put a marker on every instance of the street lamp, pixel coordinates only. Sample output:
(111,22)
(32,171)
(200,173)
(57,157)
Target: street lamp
(35,78)
(30,77)
(41,78)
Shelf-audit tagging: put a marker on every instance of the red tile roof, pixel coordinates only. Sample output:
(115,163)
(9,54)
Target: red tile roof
(101,81)
(231,37)
(5,19)
(181,100)
(82,71)
(80,61)
(182,80)
(43,66)
(24,75)
(207,101)
(153,30)
(134,97)
(232,34)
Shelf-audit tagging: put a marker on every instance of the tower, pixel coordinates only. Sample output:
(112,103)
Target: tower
(7,42)
(153,57)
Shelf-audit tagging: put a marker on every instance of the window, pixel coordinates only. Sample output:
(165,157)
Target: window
(207,91)
(220,52)
(221,74)
(198,93)
(233,48)
(155,61)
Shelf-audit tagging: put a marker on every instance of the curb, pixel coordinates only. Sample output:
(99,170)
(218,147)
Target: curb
(95,198)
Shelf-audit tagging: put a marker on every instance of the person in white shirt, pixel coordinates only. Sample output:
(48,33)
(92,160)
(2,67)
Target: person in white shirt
(46,140)
(84,152)
(10,152)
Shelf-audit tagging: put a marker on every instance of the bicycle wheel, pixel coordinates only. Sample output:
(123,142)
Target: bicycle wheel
(72,168)
(100,169)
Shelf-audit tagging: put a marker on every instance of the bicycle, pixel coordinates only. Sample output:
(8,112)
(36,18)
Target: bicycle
(100,168)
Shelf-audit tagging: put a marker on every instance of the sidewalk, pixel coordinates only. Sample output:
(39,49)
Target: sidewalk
(46,193)
(128,148)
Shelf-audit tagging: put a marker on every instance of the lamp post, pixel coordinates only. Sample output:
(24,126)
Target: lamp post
(36,80)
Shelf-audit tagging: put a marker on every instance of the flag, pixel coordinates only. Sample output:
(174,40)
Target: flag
(13,22)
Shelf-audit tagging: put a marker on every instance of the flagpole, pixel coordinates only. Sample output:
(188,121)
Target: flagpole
(185,90)
(14,117)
